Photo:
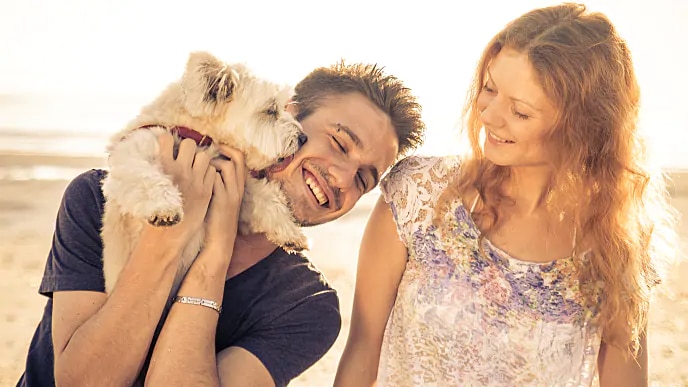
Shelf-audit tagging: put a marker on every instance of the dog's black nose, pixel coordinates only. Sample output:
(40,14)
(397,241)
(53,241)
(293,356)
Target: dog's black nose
(302,139)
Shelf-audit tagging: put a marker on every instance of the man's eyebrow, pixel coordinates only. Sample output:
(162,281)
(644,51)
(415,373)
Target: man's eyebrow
(353,136)
(489,77)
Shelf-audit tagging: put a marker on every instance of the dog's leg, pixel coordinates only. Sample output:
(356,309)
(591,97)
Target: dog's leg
(264,210)
(136,182)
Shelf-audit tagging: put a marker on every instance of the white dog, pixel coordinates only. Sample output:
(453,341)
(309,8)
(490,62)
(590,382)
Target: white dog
(213,103)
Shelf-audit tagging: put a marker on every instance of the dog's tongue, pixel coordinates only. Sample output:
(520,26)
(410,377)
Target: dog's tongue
(280,165)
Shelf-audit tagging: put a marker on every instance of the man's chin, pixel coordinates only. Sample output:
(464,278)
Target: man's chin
(297,212)
(299,216)
(302,221)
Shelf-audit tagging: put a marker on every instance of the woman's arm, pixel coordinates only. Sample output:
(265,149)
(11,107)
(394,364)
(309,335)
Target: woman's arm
(617,367)
(381,263)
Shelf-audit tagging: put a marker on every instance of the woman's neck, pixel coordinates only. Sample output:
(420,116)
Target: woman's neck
(529,187)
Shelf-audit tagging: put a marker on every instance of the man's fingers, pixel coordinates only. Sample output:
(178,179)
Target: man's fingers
(166,147)
(187,151)
(218,184)
(239,160)
(209,178)
(226,169)
(200,162)
(236,156)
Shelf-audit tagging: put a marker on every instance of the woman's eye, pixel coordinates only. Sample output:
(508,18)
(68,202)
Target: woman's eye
(521,115)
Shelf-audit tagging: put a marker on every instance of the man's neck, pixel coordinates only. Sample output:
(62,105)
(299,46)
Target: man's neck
(249,250)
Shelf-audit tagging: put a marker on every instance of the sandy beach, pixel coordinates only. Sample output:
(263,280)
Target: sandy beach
(27,214)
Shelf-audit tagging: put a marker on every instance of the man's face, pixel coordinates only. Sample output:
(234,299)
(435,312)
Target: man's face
(351,142)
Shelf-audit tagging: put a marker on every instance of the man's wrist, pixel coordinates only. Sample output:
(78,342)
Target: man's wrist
(212,261)
(162,239)
(219,249)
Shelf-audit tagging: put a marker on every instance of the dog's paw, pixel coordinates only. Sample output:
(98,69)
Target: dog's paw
(165,220)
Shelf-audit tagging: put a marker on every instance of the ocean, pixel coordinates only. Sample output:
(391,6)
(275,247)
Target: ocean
(50,137)
(72,74)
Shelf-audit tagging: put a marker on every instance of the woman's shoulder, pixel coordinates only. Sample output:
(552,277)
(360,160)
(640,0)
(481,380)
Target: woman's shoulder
(421,168)
(418,181)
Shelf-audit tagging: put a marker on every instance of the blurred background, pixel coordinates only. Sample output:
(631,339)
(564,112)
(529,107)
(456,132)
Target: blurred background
(72,72)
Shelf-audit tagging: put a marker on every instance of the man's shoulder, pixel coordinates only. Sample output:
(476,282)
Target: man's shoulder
(280,293)
(285,281)
(86,183)
(296,268)
(289,315)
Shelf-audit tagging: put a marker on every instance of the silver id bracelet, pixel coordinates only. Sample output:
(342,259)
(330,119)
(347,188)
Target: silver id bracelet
(199,301)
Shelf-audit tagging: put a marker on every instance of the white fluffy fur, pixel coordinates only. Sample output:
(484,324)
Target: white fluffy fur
(227,103)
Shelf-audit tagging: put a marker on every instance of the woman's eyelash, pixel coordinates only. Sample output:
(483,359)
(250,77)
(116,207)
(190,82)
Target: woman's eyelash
(520,115)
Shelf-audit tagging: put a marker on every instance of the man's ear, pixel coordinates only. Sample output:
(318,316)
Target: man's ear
(206,83)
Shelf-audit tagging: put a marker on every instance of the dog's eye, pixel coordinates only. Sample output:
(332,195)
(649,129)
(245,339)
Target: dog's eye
(272,111)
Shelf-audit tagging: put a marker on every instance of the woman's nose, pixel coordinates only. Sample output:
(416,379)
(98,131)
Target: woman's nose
(489,114)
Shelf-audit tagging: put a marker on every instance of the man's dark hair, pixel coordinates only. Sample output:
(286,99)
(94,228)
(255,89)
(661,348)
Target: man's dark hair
(385,91)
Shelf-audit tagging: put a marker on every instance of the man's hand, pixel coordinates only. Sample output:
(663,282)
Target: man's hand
(93,331)
(185,351)
(194,177)
(228,191)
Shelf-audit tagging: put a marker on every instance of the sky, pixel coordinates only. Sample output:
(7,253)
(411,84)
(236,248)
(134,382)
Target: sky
(88,65)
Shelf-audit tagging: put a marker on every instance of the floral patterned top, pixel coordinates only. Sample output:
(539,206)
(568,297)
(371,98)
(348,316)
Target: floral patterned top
(463,318)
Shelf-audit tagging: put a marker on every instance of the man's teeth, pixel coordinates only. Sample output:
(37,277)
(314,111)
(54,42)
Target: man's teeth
(499,139)
(322,199)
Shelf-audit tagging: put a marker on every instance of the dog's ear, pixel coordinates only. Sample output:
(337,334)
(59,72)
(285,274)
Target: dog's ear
(207,82)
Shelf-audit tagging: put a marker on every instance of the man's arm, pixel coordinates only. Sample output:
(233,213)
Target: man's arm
(184,354)
(278,347)
(104,341)
(101,340)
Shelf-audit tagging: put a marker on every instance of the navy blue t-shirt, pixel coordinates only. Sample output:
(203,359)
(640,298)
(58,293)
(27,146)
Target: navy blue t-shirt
(282,309)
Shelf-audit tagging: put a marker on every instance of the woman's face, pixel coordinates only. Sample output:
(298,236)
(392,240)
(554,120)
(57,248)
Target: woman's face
(515,113)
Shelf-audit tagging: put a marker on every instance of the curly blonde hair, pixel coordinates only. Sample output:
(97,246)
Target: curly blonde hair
(603,178)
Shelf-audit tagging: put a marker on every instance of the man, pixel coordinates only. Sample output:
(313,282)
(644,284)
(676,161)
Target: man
(256,315)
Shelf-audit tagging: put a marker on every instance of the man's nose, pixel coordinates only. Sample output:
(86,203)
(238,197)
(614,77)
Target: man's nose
(342,174)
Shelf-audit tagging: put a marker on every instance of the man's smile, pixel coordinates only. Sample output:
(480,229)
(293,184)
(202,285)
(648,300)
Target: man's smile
(317,185)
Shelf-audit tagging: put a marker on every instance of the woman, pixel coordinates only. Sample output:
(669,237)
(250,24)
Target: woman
(531,260)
